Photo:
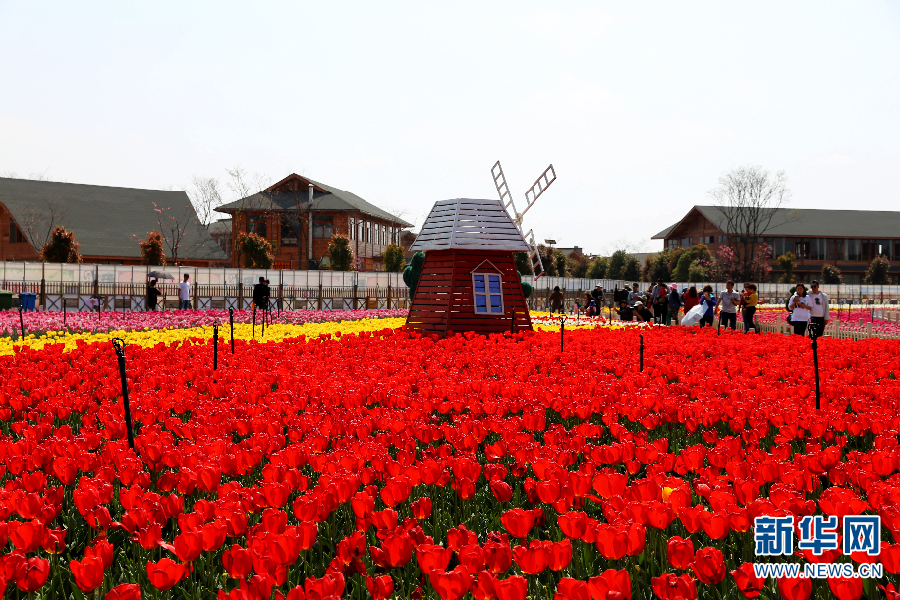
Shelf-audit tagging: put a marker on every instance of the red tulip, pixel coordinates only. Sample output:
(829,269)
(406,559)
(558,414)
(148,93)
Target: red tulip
(610,581)
(236,561)
(668,586)
(795,588)
(421,508)
(31,574)
(397,549)
(452,585)
(560,555)
(747,582)
(124,591)
(511,588)
(680,552)
(534,558)
(573,524)
(88,572)
(501,490)
(103,550)
(165,574)
(433,558)
(498,557)
(483,588)
(27,536)
(571,589)
(517,522)
(846,588)
(380,587)
(709,565)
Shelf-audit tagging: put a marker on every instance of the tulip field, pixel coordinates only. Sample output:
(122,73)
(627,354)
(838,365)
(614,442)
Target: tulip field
(360,460)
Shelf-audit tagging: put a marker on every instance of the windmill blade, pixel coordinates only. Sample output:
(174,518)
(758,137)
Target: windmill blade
(503,189)
(539,187)
(537,267)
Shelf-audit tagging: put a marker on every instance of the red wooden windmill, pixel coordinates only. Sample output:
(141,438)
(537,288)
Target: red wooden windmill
(469,280)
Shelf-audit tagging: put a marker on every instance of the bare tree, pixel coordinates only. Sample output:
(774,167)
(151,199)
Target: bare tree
(38,221)
(243,185)
(206,196)
(173,225)
(751,203)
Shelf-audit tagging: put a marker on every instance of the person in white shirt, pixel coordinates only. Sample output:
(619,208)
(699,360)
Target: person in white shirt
(799,305)
(819,316)
(728,302)
(184,293)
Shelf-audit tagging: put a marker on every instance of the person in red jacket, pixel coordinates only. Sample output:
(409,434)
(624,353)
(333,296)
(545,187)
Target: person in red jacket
(690,299)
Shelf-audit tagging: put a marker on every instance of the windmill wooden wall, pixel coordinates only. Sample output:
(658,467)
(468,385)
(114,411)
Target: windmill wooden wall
(444,301)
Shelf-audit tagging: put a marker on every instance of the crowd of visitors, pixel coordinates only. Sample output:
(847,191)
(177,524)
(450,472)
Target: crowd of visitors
(664,305)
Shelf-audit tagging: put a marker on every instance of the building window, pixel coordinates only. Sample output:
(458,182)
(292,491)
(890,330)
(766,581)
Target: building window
(488,293)
(801,248)
(854,249)
(257,224)
(709,239)
(723,239)
(352,228)
(323,226)
(383,235)
(869,250)
(818,248)
(836,249)
(288,233)
(360,231)
(685,242)
(15,234)
(885,248)
(368,232)
(671,244)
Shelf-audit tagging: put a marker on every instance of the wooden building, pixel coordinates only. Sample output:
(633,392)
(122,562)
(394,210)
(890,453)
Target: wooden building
(847,239)
(108,222)
(298,216)
(469,280)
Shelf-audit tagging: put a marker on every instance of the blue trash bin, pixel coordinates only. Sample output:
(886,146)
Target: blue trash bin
(27,300)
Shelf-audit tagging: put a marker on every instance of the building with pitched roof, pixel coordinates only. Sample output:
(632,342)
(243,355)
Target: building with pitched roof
(847,239)
(298,216)
(108,222)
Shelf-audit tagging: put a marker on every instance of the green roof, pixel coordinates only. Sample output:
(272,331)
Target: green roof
(325,198)
(109,221)
(813,222)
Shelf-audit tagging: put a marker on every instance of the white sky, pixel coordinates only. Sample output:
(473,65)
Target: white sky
(639,109)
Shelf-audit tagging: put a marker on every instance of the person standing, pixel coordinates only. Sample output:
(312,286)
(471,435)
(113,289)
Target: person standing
(184,293)
(727,303)
(634,294)
(153,295)
(799,305)
(819,316)
(556,300)
(659,297)
(708,300)
(749,300)
(590,306)
(674,305)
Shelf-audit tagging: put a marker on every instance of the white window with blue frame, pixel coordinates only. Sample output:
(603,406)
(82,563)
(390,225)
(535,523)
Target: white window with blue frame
(487,289)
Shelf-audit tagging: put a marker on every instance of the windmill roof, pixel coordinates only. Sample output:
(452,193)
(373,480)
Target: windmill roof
(469,224)
(110,221)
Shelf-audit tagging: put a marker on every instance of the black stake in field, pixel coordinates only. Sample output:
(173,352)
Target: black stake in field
(642,352)
(119,345)
(231,319)
(562,333)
